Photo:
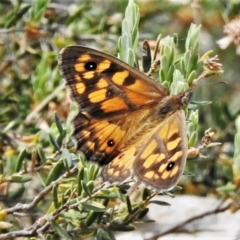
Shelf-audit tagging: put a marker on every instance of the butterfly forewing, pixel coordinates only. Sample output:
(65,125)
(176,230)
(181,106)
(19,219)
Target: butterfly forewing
(99,140)
(105,87)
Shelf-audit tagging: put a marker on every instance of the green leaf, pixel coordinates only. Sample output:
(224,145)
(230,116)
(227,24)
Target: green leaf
(86,189)
(178,84)
(18,13)
(56,172)
(20,178)
(58,123)
(20,159)
(143,213)
(121,196)
(189,174)
(228,188)
(123,46)
(128,41)
(129,206)
(60,230)
(37,10)
(121,227)
(191,77)
(131,57)
(191,56)
(79,180)
(53,142)
(104,234)
(162,203)
(93,171)
(202,103)
(108,194)
(192,140)
(55,197)
(94,206)
(67,156)
(92,216)
(146,56)
(193,117)
(41,155)
(146,193)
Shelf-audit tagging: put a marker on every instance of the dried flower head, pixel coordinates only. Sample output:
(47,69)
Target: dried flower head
(232,31)
(213,64)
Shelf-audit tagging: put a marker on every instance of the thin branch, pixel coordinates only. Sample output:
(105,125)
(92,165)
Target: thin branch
(40,226)
(31,231)
(180,225)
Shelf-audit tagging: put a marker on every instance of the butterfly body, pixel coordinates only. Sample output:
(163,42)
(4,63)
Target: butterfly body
(127,122)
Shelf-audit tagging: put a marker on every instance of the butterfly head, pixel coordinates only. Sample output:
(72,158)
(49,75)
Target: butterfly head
(171,104)
(186,96)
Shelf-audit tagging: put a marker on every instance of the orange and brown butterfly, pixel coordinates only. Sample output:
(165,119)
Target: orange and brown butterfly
(126,122)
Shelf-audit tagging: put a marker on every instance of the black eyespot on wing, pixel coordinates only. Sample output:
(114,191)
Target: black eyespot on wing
(111,143)
(170,166)
(90,66)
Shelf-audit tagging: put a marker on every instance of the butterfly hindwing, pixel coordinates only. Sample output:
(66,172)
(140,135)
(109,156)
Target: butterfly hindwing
(157,163)
(102,140)
(161,162)
(120,168)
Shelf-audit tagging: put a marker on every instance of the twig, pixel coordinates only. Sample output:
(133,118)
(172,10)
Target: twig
(41,222)
(180,225)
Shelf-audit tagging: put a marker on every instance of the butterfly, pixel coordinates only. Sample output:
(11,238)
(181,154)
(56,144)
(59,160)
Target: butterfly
(127,122)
